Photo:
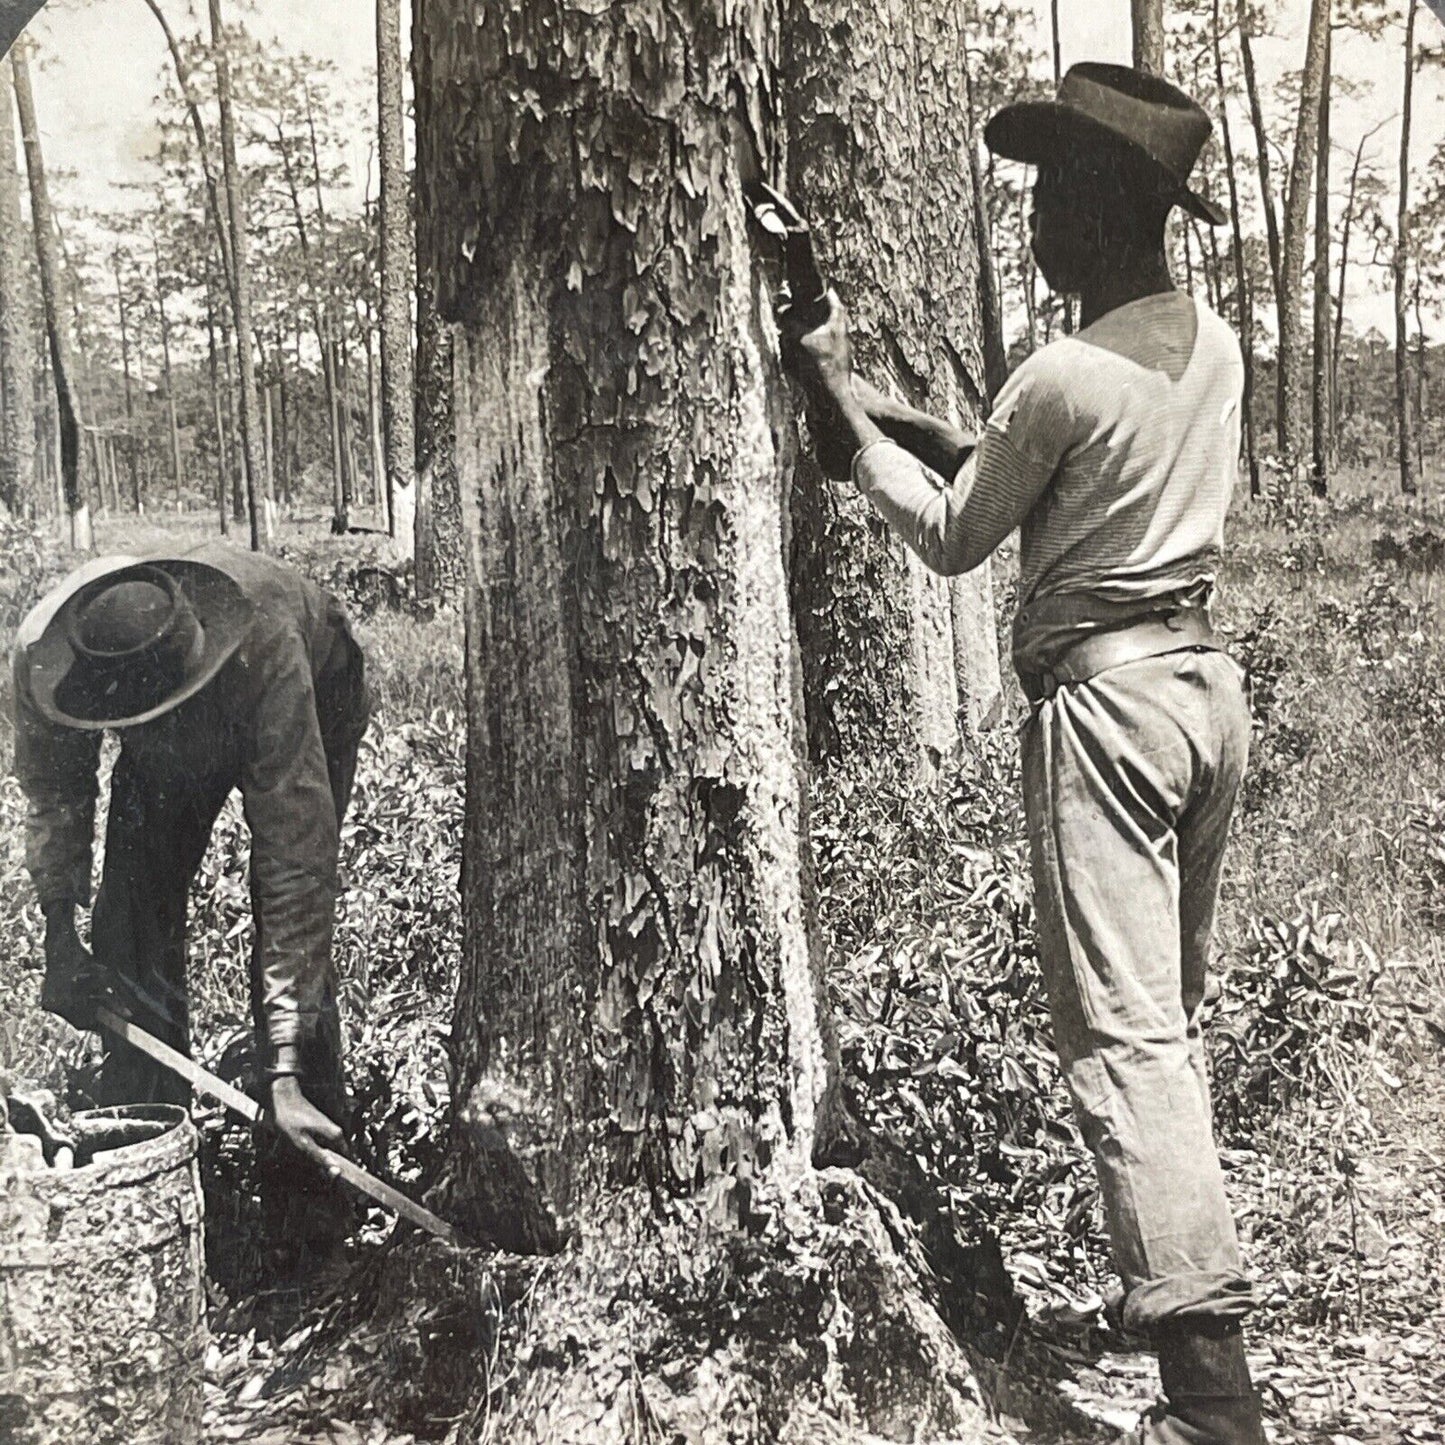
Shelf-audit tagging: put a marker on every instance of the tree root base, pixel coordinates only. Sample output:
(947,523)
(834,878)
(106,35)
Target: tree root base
(813,1325)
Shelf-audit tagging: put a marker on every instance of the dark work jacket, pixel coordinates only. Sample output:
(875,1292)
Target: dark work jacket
(292,693)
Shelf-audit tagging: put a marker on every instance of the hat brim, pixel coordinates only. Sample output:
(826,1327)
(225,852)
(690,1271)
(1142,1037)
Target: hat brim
(1037,132)
(223,610)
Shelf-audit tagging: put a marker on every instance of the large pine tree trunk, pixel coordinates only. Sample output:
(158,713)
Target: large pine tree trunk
(18,484)
(397,406)
(1290,388)
(47,252)
(1405,419)
(639,1013)
(889,190)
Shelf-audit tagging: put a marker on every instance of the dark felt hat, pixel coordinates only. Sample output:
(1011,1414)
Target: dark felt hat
(1112,105)
(136,642)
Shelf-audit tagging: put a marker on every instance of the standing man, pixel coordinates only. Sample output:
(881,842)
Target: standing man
(218,669)
(1115,450)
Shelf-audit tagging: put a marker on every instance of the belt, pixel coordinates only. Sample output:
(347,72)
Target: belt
(1097,652)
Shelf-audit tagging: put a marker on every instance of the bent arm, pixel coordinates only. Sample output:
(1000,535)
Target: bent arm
(289,807)
(952,527)
(939,445)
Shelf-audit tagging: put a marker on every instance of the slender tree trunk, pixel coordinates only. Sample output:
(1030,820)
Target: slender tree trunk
(640,981)
(1322,402)
(1404,410)
(397,285)
(258,501)
(1290,418)
(1148,26)
(77,504)
(373,426)
(19,486)
(1261,142)
(217,421)
(1337,338)
(320,323)
(131,450)
(990,302)
(1421,380)
(175,428)
(1066,302)
(219,223)
(233,419)
(283,427)
(1243,294)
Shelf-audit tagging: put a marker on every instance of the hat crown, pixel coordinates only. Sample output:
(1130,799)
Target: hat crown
(1145,109)
(125,618)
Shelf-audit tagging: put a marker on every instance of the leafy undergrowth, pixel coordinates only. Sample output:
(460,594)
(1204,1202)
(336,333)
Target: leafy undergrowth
(1325,1034)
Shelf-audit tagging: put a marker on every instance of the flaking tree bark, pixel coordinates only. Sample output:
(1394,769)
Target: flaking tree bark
(642,1052)
(47,254)
(873,129)
(18,480)
(397,404)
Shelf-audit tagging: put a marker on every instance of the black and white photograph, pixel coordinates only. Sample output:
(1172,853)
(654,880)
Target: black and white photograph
(723,722)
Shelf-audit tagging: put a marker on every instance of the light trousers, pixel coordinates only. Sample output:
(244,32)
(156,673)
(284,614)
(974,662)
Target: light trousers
(1130,780)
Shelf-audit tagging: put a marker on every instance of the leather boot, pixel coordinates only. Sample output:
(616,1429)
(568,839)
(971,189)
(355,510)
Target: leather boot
(1209,1398)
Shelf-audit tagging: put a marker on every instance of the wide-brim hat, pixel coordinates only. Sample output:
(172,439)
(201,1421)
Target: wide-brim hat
(76,680)
(1111,106)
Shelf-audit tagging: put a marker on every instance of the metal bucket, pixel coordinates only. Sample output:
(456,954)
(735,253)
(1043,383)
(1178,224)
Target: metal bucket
(102,1300)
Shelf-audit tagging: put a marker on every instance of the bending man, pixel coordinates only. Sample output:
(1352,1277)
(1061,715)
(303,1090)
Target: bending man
(218,669)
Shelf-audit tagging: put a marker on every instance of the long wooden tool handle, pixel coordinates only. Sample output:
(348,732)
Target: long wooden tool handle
(250,1110)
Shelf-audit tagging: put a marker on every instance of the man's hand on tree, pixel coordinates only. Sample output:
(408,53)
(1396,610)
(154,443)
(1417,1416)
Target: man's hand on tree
(815,346)
(300,1121)
(75,984)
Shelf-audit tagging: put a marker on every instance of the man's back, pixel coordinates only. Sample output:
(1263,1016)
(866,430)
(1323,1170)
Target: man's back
(1149,400)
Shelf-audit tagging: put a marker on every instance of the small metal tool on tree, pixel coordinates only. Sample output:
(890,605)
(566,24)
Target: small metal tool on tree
(805,291)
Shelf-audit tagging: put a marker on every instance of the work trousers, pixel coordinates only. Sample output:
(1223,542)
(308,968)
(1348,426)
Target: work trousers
(1130,780)
(156,837)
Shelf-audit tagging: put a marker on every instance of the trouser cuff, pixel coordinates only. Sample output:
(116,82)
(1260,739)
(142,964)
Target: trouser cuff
(1214,1296)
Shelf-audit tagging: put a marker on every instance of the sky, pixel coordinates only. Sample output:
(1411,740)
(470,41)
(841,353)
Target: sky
(103,60)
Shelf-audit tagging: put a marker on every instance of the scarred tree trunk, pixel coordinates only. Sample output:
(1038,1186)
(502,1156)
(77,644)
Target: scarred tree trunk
(397,407)
(1290,390)
(889,190)
(642,1052)
(77,502)
(18,485)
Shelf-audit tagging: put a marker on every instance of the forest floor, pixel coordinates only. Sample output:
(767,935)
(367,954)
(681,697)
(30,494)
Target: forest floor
(1327,1032)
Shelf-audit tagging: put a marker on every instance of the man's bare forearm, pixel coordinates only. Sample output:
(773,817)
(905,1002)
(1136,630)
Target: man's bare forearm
(939,445)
